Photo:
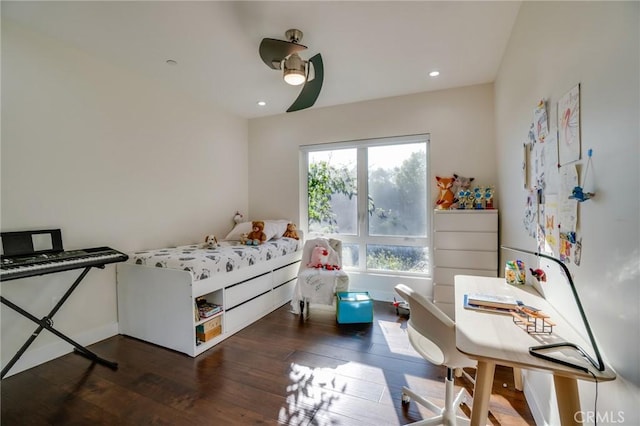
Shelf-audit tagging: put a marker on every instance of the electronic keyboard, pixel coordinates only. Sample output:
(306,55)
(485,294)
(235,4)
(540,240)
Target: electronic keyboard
(14,267)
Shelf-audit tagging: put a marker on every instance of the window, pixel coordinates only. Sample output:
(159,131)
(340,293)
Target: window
(372,194)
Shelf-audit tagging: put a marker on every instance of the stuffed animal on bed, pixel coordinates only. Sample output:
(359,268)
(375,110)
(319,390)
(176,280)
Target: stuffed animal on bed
(257,235)
(291,232)
(210,241)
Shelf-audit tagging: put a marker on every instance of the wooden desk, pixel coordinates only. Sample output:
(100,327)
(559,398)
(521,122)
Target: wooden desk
(492,339)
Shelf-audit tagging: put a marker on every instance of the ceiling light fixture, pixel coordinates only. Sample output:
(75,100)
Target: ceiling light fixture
(261,103)
(434,73)
(294,70)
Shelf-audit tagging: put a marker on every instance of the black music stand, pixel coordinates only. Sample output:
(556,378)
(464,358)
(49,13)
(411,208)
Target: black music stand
(47,323)
(537,351)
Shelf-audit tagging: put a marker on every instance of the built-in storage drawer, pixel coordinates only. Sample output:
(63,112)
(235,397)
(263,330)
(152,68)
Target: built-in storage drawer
(466,221)
(286,273)
(450,240)
(466,258)
(248,312)
(238,293)
(283,293)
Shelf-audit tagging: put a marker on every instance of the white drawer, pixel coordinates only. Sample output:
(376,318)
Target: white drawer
(465,240)
(238,293)
(247,313)
(463,220)
(283,293)
(284,274)
(466,259)
(443,293)
(447,275)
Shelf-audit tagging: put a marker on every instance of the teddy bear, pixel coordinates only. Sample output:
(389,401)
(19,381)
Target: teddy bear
(291,232)
(445,195)
(257,235)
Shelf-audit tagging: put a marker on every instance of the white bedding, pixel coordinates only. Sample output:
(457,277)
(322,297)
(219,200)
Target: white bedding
(204,262)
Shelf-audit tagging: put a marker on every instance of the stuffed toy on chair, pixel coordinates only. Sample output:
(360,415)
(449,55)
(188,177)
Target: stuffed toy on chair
(445,195)
(257,235)
(320,259)
(291,231)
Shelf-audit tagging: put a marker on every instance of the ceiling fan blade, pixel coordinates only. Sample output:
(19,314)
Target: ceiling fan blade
(311,88)
(273,51)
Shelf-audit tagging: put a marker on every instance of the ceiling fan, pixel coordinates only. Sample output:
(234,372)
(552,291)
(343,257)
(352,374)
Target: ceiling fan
(283,55)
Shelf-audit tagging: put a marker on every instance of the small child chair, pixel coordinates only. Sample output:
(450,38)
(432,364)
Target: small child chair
(319,285)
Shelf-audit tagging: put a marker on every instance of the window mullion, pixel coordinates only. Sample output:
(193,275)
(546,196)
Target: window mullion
(363,217)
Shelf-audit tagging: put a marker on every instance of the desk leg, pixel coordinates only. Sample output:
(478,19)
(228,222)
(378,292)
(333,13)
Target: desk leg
(568,400)
(482,393)
(517,379)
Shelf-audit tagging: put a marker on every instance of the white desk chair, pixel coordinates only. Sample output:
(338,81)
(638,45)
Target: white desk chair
(316,285)
(433,335)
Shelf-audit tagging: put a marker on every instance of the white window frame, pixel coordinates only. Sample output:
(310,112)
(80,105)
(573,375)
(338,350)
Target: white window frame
(362,239)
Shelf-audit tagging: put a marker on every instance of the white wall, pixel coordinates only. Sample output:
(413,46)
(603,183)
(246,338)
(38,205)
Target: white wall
(460,123)
(111,159)
(555,45)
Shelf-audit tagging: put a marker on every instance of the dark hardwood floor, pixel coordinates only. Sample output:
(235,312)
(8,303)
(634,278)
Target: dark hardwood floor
(277,371)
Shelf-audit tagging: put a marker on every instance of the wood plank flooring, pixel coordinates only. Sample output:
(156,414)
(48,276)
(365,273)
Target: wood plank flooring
(277,371)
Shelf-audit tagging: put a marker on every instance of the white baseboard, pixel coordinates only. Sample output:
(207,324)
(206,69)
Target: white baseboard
(40,355)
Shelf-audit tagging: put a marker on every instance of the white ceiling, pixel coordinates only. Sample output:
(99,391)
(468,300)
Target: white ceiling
(370,49)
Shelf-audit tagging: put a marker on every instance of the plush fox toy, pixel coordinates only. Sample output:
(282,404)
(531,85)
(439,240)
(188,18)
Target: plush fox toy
(445,195)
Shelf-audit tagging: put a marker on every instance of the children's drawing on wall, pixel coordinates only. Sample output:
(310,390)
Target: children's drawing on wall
(537,159)
(565,248)
(568,206)
(530,219)
(569,126)
(525,168)
(540,238)
(550,161)
(541,127)
(550,222)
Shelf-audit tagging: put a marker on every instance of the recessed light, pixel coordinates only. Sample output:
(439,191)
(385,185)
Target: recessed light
(434,73)
(171,62)
(261,103)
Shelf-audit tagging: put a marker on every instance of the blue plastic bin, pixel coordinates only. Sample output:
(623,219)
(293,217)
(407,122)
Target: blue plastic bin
(354,307)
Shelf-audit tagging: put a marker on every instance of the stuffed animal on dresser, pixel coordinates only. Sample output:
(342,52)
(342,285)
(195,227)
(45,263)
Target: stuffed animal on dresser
(257,235)
(461,185)
(445,195)
(291,232)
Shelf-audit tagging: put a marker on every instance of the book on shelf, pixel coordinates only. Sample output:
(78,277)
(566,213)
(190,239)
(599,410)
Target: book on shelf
(492,301)
(208,310)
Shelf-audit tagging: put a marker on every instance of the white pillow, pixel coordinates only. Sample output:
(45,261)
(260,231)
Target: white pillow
(272,228)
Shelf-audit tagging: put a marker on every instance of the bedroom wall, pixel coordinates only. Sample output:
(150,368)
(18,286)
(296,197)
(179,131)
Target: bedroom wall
(460,123)
(112,159)
(555,45)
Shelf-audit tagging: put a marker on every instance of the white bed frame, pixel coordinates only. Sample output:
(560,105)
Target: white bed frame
(157,304)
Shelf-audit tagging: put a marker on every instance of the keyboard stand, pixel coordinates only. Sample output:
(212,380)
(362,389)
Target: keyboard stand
(47,324)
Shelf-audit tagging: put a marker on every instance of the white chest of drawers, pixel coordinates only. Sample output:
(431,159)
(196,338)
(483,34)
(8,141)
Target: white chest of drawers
(465,242)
